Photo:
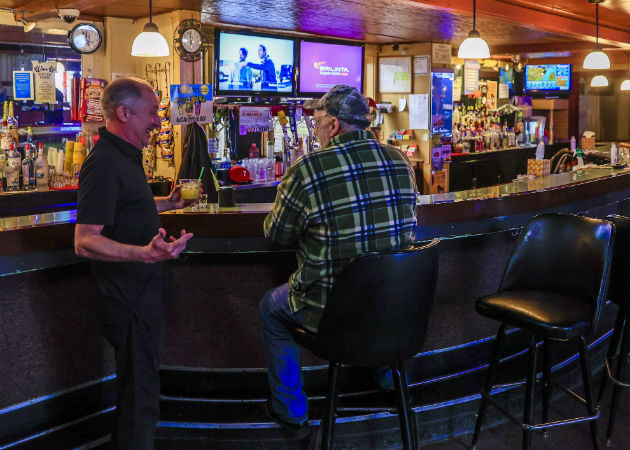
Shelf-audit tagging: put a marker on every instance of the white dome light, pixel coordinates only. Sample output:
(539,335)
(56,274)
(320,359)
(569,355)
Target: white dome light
(599,81)
(150,43)
(625,86)
(597,60)
(473,47)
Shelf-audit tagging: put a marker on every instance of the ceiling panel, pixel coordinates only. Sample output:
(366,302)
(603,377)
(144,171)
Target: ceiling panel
(375,21)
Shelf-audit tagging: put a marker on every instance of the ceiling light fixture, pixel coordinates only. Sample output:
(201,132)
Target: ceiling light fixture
(150,43)
(625,85)
(599,81)
(597,59)
(474,47)
(28,26)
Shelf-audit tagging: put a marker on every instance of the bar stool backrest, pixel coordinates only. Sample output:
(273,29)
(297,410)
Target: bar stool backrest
(565,254)
(378,310)
(619,290)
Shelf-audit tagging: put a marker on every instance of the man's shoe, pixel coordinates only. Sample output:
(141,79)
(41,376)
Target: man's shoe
(291,430)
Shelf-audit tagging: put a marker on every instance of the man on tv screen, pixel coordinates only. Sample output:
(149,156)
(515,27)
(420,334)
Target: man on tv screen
(241,76)
(267,69)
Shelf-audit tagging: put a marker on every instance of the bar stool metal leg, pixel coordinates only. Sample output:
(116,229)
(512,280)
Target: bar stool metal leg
(622,362)
(612,350)
(528,416)
(588,390)
(328,421)
(547,386)
(400,382)
(487,387)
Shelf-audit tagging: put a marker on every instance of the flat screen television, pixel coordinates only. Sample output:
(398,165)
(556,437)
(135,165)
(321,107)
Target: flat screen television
(325,64)
(253,63)
(548,78)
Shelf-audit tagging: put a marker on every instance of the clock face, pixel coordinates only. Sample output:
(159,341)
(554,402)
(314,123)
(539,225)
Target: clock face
(191,40)
(85,38)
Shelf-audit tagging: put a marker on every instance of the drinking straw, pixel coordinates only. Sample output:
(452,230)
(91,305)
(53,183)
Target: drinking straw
(214,178)
(201,173)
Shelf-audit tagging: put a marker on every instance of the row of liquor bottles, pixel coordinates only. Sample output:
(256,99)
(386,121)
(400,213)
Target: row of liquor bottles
(475,129)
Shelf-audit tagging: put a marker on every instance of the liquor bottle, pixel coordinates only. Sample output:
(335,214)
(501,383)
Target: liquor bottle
(41,169)
(253,151)
(12,171)
(28,170)
(13,126)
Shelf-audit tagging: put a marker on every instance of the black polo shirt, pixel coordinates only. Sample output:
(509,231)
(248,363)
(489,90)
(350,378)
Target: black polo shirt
(113,191)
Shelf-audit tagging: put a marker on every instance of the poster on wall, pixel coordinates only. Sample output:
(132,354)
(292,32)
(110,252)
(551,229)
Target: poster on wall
(442,102)
(45,91)
(22,85)
(492,95)
(471,76)
(441,53)
(395,74)
(191,103)
(419,111)
(90,99)
(253,119)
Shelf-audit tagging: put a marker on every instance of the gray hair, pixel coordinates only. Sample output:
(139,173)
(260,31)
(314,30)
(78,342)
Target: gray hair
(122,91)
(345,127)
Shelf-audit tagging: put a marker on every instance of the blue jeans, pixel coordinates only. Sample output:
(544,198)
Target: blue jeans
(288,399)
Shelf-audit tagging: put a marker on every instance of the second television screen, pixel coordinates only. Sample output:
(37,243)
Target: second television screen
(323,65)
(255,63)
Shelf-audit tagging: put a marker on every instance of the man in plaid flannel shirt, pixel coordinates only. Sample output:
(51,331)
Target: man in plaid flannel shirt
(352,196)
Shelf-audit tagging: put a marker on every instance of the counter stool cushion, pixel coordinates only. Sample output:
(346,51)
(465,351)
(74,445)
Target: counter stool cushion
(556,316)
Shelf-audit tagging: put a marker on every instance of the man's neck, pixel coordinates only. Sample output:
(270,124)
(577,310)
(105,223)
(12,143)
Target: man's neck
(117,129)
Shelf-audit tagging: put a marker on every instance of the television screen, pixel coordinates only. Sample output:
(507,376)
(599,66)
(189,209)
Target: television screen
(323,65)
(248,63)
(548,77)
(506,76)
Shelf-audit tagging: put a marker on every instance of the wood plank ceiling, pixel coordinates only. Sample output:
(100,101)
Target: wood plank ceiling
(508,25)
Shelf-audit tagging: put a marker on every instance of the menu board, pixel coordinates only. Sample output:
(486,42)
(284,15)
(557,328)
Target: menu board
(45,91)
(90,99)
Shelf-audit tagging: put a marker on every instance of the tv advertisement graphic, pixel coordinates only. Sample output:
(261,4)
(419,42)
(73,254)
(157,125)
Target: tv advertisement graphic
(324,65)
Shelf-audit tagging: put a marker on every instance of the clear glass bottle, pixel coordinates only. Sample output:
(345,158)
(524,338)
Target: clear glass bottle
(41,169)
(28,170)
(12,170)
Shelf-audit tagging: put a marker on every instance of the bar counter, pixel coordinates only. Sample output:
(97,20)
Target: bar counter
(53,352)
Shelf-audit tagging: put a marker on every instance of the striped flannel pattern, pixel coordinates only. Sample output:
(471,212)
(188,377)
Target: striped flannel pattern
(356,195)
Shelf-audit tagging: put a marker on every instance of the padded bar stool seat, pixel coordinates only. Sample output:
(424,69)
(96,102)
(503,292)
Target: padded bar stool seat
(553,287)
(376,315)
(619,293)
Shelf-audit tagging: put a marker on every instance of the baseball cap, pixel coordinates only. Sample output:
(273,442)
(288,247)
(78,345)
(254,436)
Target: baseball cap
(239,174)
(344,102)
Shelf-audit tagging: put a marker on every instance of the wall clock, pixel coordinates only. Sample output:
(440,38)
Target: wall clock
(191,40)
(85,38)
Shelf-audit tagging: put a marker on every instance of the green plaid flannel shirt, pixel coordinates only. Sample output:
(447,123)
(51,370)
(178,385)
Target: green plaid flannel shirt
(356,195)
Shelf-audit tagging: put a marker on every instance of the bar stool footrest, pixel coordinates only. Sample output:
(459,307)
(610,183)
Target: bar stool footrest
(612,378)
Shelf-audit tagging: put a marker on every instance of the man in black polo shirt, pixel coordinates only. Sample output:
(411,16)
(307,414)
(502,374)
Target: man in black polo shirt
(118,228)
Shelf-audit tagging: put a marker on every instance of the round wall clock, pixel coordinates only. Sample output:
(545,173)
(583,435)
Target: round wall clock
(191,40)
(85,38)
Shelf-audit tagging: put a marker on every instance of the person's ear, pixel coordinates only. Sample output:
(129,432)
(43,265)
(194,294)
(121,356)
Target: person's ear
(122,113)
(336,126)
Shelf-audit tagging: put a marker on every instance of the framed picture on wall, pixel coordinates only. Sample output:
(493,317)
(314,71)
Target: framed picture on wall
(394,74)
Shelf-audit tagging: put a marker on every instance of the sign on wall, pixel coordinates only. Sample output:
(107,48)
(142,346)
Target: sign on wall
(45,91)
(253,119)
(191,103)
(22,85)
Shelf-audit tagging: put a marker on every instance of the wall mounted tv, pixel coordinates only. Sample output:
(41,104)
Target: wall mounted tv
(253,63)
(551,79)
(325,64)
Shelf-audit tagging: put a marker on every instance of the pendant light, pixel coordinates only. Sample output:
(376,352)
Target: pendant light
(150,42)
(597,59)
(599,81)
(473,47)
(625,85)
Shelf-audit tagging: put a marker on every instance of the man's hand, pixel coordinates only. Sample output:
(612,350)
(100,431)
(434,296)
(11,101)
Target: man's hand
(160,250)
(175,197)
(242,64)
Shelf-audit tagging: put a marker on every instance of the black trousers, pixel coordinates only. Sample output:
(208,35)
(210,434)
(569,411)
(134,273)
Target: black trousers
(137,336)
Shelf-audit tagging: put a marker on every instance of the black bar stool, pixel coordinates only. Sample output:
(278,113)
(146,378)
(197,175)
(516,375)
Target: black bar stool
(553,287)
(376,315)
(619,293)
